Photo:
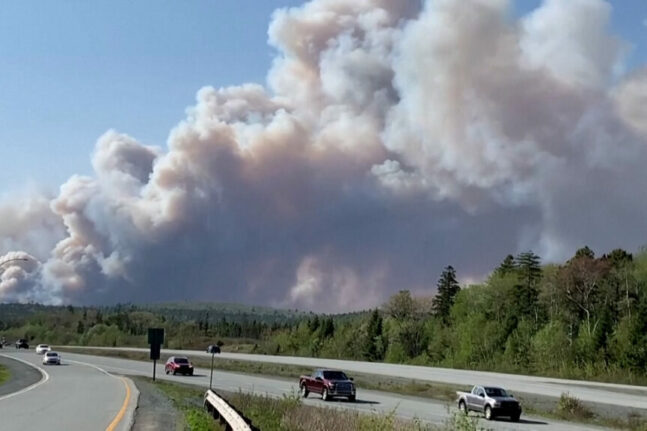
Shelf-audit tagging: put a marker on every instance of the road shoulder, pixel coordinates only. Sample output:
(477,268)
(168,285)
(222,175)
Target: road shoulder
(155,411)
(21,375)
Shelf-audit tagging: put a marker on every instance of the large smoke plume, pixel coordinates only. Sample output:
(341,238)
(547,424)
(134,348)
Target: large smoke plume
(392,138)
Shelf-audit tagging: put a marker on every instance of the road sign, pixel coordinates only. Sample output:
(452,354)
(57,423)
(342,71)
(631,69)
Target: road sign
(155,336)
(155,339)
(155,351)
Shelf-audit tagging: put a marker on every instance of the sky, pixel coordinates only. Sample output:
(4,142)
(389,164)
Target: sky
(73,70)
(396,164)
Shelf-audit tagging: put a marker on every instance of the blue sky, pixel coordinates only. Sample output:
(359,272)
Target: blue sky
(72,70)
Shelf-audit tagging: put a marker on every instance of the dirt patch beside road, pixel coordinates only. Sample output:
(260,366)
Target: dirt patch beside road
(155,412)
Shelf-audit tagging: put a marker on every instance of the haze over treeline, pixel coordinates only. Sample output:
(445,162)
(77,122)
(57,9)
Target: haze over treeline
(391,138)
(584,318)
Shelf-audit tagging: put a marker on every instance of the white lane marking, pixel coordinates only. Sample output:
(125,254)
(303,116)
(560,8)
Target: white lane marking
(93,366)
(43,380)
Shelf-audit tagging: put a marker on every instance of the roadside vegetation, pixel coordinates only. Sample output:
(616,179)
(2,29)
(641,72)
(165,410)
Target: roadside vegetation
(188,400)
(4,374)
(290,414)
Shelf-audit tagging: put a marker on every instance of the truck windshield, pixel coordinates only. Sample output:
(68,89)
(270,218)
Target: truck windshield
(334,375)
(495,392)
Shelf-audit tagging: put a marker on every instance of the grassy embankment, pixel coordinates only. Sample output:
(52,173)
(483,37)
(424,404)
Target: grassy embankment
(188,401)
(289,414)
(566,408)
(4,374)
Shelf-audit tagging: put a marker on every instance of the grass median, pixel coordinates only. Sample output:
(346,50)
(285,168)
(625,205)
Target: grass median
(548,407)
(4,374)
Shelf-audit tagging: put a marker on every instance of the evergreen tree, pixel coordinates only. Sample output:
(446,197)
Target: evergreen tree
(507,266)
(313,324)
(527,291)
(373,345)
(328,328)
(447,289)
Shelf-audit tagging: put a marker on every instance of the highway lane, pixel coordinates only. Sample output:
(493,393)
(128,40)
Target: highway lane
(604,393)
(72,396)
(368,401)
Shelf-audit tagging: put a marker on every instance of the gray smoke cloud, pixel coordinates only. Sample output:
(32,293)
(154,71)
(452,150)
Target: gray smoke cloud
(392,139)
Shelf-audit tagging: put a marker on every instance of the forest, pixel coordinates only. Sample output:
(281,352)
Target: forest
(585,318)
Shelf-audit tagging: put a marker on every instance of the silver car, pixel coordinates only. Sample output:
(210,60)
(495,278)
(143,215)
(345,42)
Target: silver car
(51,358)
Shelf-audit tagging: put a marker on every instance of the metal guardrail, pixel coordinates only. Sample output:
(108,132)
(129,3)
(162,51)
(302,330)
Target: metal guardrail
(220,409)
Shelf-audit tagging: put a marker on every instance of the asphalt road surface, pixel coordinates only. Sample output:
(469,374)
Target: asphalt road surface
(603,393)
(368,401)
(72,396)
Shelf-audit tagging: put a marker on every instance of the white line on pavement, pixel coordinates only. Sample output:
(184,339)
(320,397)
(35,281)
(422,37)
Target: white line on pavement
(43,380)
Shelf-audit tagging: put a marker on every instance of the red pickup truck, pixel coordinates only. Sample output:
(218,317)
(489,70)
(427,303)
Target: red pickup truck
(329,383)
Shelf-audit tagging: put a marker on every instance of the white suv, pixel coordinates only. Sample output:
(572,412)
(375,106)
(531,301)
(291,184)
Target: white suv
(42,348)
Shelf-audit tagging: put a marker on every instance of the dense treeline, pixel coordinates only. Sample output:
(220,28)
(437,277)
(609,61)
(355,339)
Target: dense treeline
(584,318)
(186,325)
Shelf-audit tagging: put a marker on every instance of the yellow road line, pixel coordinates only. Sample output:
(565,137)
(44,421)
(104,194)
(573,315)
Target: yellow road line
(122,411)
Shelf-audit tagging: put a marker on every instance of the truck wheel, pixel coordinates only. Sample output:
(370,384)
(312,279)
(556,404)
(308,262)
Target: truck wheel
(324,395)
(488,413)
(166,371)
(463,407)
(515,417)
(351,398)
(304,391)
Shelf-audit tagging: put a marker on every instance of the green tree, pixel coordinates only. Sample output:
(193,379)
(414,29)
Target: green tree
(373,349)
(507,266)
(328,328)
(447,288)
(401,306)
(527,291)
(585,252)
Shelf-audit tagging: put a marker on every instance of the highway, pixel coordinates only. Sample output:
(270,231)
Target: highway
(368,401)
(71,396)
(604,393)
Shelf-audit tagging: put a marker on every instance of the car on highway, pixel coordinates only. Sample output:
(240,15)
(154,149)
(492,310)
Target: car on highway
(329,383)
(51,358)
(492,401)
(178,364)
(22,344)
(42,348)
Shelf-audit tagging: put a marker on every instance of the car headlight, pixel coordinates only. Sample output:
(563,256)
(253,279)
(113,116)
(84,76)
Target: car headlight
(497,404)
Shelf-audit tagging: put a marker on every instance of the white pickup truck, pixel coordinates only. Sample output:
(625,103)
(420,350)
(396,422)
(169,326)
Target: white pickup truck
(491,401)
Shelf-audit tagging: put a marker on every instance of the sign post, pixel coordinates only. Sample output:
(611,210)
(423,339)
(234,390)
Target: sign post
(213,350)
(155,339)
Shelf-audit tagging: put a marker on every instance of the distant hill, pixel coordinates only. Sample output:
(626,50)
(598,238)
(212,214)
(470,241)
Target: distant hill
(187,311)
(181,311)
